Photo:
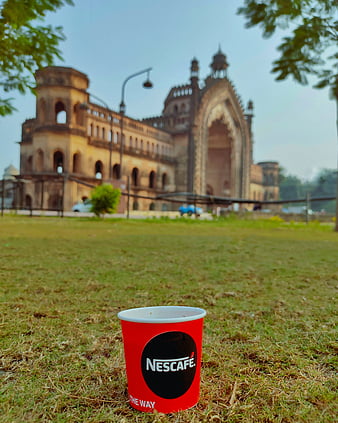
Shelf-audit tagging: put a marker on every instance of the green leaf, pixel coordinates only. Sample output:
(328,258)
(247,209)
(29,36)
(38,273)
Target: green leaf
(312,32)
(26,46)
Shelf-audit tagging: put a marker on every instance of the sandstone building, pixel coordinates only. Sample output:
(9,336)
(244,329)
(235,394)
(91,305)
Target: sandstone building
(201,143)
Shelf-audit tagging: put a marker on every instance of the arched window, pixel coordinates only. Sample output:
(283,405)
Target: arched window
(131,142)
(98,170)
(182,107)
(136,143)
(152,179)
(164,207)
(103,133)
(58,162)
(76,163)
(152,206)
(39,161)
(164,180)
(60,113)
(134,176)
(116,171)
(110,139)
(175,108)
(91,131)
(141,144)
(97,131)
(135,205)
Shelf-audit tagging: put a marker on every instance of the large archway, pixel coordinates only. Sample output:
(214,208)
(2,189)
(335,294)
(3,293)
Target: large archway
(219,160)
(221,144)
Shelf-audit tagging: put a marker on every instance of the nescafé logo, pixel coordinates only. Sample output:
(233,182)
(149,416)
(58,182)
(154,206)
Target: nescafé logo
(169,364)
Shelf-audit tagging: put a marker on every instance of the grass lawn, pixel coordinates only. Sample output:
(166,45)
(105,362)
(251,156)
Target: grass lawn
(270,336)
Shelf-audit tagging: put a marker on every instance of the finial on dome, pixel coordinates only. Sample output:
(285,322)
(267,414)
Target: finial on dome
(250,106)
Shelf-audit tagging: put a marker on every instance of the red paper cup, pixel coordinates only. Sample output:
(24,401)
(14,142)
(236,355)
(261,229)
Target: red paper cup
(163,349)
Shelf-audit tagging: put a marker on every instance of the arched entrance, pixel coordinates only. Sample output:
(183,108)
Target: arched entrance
(222,144)
(219,163)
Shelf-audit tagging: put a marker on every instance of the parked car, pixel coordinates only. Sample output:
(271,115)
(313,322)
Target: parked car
(83,206)
(190,210)
(296,210)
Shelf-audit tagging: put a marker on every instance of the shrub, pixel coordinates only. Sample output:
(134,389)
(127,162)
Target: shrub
(105,199)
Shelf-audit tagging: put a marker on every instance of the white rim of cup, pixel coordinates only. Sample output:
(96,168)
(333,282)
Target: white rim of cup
(153,314)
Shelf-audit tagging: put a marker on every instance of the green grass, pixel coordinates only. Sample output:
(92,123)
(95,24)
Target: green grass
(270,339)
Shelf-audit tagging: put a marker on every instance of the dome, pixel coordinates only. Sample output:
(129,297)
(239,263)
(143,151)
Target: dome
(10,172)
(194,68)
(194,64)
(219,63)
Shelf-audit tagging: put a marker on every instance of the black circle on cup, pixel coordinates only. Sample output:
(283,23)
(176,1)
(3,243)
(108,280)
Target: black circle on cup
(169,364)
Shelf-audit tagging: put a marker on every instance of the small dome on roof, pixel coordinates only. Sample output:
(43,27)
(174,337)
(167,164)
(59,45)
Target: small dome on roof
(10,172)
(219,62)
(194,62)
(194,68)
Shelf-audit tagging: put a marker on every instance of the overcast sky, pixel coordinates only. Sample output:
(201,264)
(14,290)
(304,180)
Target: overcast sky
(110,40)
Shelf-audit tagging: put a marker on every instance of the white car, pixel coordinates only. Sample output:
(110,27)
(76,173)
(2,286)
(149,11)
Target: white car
(83,206)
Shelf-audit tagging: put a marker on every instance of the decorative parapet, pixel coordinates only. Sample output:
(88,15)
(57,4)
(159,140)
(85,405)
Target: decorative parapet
(178,92)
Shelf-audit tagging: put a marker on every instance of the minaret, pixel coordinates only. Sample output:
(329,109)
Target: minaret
(194,69)
(249,116)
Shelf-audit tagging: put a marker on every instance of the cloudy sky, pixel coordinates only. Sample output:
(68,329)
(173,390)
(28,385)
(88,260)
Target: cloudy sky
(109,40)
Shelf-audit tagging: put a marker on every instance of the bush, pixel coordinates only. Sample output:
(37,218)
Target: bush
(105,199)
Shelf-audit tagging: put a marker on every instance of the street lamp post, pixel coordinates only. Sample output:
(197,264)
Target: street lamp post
(146,84)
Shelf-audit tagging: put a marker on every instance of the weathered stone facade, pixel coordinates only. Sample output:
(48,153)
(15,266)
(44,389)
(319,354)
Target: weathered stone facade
(201,143)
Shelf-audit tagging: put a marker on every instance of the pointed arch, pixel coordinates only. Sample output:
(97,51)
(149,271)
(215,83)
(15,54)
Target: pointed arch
(220,103)
(60,112)
(58,161)
(135,176)
(152,179)
(116,171)
(76,163)
(98,169)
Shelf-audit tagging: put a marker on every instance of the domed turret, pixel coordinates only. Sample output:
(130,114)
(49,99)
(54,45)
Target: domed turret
(219,65)
(194,68)
(10,172)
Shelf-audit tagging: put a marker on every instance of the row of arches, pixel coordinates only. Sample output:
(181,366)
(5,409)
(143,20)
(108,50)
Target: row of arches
(55,202)
(152,206)
(258,195)
(270,179)
(59,167)
(179,109)
(60,111)
(132,142)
